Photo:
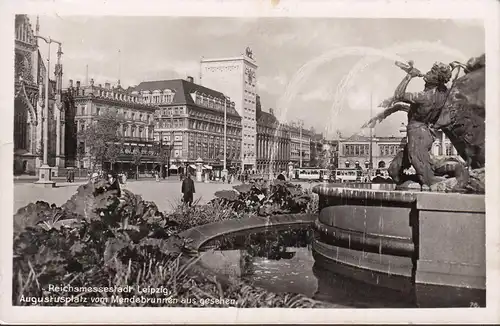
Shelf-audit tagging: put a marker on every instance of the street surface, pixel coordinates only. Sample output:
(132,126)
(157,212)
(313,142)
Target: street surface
(166,193)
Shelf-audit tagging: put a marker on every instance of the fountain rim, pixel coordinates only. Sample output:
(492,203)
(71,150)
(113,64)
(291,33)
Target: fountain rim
(202,234)
(404,196)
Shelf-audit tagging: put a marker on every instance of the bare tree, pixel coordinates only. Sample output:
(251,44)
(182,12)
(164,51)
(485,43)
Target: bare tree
(100,135)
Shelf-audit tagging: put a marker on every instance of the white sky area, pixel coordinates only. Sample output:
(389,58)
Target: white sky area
(155,48)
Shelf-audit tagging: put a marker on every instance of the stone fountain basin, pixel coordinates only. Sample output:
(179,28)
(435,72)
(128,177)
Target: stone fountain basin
(431,238)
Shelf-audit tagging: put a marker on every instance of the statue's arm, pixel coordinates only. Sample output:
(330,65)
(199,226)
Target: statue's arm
(387,112)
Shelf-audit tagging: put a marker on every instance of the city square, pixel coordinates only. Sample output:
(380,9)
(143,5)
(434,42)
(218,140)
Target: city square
(239,173)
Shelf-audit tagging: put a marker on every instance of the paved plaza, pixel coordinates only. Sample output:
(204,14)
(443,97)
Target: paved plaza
(164,193)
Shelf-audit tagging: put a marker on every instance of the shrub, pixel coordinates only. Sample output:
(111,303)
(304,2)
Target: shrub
(97,239)
(278,198)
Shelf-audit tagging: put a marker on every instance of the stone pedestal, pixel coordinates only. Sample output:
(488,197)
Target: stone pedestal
(435,239)
(452,243)
(45,178)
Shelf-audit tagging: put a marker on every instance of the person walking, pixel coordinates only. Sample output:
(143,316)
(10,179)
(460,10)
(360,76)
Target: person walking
(188,190)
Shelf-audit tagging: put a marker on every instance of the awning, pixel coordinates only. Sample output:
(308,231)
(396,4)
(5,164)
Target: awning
(173,167)
(207,167)
(192,166)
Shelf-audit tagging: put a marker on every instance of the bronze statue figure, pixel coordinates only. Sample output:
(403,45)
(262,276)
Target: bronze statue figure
(457,111)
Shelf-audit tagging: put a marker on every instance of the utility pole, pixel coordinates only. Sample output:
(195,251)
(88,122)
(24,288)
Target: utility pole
(224,169)
(300,143)
(161,152)
(371,132)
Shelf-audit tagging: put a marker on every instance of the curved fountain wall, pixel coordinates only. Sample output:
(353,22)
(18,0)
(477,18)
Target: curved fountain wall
(427,238)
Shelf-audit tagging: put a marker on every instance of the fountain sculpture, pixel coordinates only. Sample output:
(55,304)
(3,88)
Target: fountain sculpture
(436,237)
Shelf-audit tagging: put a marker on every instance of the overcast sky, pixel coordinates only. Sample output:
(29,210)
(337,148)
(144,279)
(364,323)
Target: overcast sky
(154,48)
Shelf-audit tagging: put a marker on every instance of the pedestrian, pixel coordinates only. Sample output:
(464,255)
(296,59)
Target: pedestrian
(188,190)
(114,184)
(157,176)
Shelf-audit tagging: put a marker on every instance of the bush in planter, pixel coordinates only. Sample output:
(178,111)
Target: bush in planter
(279,197)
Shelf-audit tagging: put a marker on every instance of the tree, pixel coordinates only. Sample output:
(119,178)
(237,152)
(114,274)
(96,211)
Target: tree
(137,158)
(113,151)
(102,133)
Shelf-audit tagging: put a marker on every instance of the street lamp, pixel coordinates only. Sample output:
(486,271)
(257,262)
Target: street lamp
(44,171)
(301,124)
(224,169)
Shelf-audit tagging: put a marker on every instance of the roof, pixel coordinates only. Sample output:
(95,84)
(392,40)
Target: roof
(267,119)
(182,89)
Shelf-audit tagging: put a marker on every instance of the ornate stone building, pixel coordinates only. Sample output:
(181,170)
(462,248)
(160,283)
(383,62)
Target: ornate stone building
(273,143)
(190,118)
(29,101)
(137,124)
(236,77)
(355,151)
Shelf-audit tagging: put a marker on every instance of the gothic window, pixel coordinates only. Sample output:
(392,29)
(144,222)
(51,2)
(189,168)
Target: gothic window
(449,150)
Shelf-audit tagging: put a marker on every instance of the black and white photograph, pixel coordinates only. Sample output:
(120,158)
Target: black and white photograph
(325,165)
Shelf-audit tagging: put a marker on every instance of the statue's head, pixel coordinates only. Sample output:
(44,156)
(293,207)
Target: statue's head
(439,74)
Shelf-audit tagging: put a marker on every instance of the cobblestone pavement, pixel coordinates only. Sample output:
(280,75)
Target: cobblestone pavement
(165,193)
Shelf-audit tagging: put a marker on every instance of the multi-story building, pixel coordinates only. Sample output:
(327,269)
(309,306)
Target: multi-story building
(273,143)
(355,151)
(236,77)
(136,127)
(300,140)
(190,118)
(29,101)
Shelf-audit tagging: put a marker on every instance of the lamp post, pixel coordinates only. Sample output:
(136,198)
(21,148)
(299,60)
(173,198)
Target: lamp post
(45,178)
(301,124)
(224,169)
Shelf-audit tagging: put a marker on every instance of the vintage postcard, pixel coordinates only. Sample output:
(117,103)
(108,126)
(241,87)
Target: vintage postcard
(250,162)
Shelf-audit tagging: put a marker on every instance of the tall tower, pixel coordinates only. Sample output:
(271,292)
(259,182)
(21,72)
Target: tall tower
(236,77)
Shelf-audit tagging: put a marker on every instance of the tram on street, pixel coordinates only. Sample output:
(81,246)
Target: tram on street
(318,174)
(347,175)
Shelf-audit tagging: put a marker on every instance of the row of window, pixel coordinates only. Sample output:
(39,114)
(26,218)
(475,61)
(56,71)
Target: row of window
(211,103)
(158,98)
(352,150)
(213,117)
(389,150)
(172,110)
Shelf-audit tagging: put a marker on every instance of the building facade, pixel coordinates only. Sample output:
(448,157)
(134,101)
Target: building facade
(29,101)
(236,77)
(355,151)
(273,143)
(300,140)
(190,119)
(136,126)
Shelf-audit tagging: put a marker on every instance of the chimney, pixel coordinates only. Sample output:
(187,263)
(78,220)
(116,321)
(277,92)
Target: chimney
(71,83)
(92,82)
(190,79)
(271,111)
(107,85)
(77,84)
